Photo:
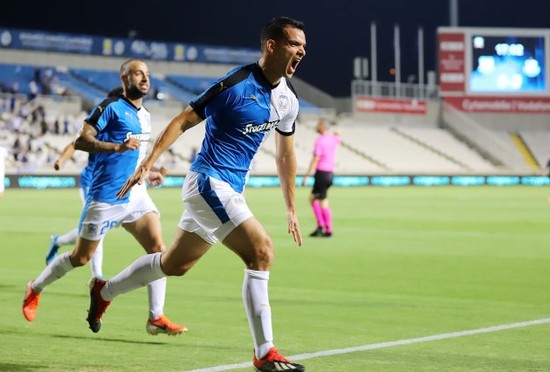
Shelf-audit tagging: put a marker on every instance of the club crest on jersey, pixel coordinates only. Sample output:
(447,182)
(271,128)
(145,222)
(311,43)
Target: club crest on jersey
(282,104)
(92,228)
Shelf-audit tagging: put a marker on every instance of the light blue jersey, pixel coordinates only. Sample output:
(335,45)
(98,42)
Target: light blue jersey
(117,120)
(87,173)
(241,110)
(85,179)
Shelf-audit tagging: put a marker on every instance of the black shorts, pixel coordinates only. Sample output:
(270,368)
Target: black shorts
(323,180)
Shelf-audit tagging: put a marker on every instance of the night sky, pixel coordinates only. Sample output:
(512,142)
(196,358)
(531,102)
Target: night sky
(336,30)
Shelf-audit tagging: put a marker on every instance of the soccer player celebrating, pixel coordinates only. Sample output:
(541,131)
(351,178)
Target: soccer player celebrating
(239,110)
(117,132)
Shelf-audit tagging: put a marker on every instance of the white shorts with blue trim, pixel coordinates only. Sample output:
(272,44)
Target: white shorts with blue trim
(212,208)
(98,218)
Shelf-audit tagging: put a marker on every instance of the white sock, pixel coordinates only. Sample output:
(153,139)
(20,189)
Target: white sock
(68,238)
(141,272)
(157,293)
(96,263)
(60,266)
(258,311)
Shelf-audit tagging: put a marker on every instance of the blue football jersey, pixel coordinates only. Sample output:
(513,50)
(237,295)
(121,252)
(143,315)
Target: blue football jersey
(241,109)
(117,120)
(87,173)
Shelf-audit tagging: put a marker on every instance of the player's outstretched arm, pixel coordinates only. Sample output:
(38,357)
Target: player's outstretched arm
(153,176)
(177,126)
(140,174)
(66,154)
(156,176)
(286,168)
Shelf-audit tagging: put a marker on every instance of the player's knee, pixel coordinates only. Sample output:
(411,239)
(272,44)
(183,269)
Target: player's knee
(157,247)
(79,260)
(264,255)
(176,270)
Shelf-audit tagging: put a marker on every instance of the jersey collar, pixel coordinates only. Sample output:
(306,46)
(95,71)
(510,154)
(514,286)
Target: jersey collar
(261,77)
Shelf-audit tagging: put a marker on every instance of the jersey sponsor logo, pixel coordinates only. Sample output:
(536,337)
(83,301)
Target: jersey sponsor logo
(264,127)
(142,137)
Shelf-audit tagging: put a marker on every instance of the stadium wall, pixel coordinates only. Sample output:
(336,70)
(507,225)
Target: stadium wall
(430,115)
(71,181)
(109,63)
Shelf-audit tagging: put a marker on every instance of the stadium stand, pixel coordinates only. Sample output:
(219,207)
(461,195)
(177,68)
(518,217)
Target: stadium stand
(161,89)
(43,105)
(397,153)
(192,84)
(538,142)
(16,78)
(442,142)
(74,85)
(366,149)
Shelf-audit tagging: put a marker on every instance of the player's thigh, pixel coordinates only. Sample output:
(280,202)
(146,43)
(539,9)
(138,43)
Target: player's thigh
(186,249)
(251,242)
(147,230)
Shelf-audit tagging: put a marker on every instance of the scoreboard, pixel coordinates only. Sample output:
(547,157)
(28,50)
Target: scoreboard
(496,68)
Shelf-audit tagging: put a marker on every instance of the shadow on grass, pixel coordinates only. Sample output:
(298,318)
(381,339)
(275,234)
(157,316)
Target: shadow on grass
(72,337)
(18,367)
(202,346)
(117,340)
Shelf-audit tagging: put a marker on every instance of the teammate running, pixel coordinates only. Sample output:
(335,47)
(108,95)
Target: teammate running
(117,131)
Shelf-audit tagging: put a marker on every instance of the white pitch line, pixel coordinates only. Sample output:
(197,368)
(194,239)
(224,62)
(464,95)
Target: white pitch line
(382,345)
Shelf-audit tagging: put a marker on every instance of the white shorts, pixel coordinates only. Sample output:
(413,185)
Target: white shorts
(212,208)
(98,218)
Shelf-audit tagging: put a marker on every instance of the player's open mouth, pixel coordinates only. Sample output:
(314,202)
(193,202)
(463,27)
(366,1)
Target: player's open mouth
(294,65)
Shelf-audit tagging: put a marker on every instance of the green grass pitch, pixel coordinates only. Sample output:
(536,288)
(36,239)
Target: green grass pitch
(404,263)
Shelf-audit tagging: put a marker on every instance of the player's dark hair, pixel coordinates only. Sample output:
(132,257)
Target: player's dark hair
(124,68)
(274,29)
